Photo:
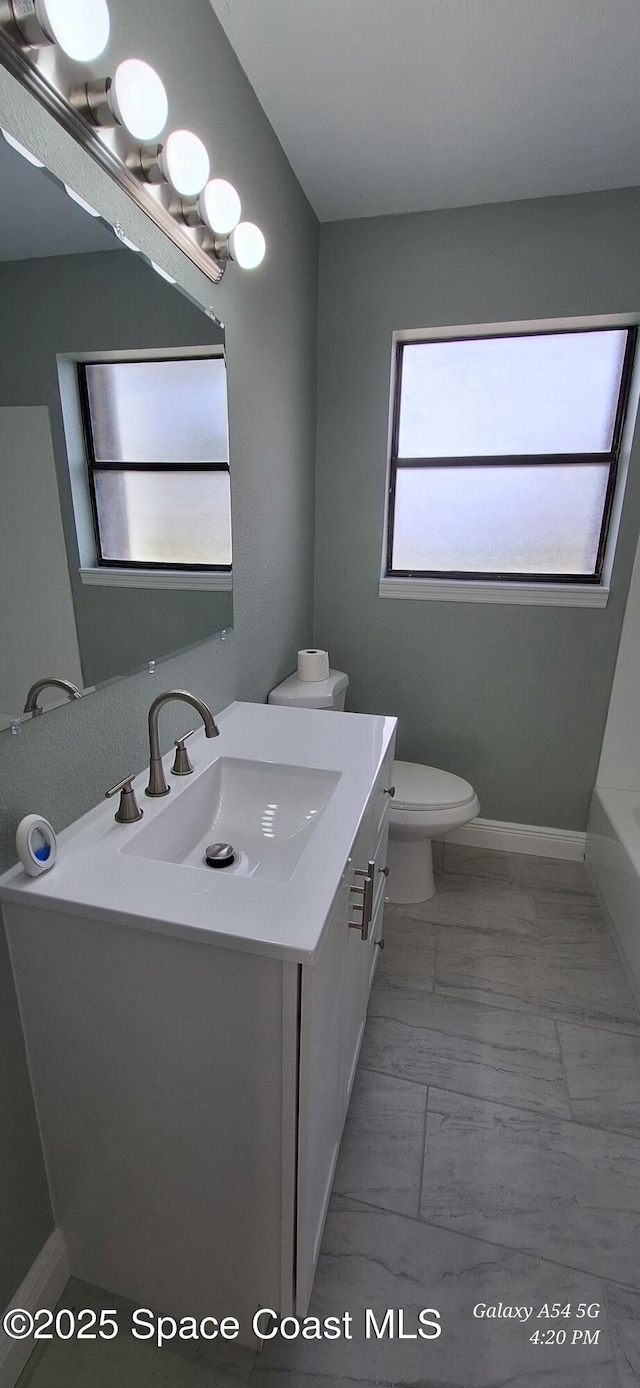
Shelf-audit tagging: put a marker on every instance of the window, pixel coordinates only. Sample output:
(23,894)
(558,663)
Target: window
(158,459)
(504,455)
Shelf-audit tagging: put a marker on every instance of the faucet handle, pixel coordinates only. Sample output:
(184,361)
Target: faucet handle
(181,764)
(128,810)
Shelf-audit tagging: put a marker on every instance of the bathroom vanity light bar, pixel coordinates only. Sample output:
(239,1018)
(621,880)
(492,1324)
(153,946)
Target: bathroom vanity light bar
(201,214)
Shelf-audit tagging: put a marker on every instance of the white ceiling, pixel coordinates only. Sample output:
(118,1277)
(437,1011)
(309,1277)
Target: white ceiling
(389,106)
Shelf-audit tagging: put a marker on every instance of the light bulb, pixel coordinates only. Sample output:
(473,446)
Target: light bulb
(75,197)
(139,99)
(26,153)
(185,162)
(79,27)
(247,245)
(219,206)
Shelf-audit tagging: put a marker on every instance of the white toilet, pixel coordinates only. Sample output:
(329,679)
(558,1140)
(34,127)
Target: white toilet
(427,803)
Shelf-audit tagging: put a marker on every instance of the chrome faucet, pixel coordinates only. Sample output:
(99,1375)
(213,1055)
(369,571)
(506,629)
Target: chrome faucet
(50,681)
(157,783)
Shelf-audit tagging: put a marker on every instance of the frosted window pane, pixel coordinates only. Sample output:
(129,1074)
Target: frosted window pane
(164,517)
(541,394)
(159,411)
(499,519)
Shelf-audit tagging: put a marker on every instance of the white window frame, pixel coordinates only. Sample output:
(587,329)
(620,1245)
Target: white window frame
(503,590)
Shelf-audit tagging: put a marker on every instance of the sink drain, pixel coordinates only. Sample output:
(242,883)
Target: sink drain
(219,855)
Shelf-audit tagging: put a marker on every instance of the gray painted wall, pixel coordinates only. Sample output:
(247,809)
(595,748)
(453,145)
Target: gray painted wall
(513,698)
(61,764)
(102,302)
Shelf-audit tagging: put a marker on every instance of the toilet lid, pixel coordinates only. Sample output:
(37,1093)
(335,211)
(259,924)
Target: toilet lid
(427,788)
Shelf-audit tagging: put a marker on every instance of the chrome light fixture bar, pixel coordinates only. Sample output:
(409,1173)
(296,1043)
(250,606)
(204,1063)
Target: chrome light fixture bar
(169,181)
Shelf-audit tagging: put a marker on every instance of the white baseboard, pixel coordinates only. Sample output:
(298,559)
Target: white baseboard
(42,1287)
(521,838)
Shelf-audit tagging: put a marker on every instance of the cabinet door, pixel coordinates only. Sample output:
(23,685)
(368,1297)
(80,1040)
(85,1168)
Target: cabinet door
(321,1090)
(361,954)
(334,997)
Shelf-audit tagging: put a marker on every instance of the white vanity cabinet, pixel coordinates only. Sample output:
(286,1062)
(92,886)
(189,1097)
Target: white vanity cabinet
(192,1085)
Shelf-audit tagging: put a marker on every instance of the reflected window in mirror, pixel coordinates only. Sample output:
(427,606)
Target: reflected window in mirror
(71,293)
(157,453)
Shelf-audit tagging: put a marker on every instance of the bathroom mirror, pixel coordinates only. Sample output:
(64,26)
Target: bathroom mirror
(115,524)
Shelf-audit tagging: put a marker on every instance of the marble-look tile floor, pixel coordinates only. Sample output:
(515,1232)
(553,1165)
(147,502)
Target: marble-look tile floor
(491,1155)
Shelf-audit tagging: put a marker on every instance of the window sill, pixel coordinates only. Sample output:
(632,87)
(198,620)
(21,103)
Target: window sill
(156,578)
(530,594)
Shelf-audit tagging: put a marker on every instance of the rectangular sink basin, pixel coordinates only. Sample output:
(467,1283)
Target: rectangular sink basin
(267,812)
(285,786)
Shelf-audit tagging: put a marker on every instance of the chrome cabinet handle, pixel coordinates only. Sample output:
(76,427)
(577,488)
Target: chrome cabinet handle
(181,764)
(367,900)
(128,810)
(389,790)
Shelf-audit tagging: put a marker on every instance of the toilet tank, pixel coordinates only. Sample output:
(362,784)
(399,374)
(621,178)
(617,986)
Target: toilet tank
(329,693)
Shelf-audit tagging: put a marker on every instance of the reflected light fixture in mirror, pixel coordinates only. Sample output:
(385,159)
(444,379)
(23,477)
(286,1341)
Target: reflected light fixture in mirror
(20,149)
(75,197)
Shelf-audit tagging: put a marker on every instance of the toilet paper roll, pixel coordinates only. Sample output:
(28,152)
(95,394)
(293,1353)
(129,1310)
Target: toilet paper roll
(313,665)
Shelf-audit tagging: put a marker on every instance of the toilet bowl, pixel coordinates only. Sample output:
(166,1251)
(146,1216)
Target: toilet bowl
(427,802)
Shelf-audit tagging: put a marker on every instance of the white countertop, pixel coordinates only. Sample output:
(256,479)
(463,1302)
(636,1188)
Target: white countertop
(94,877)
